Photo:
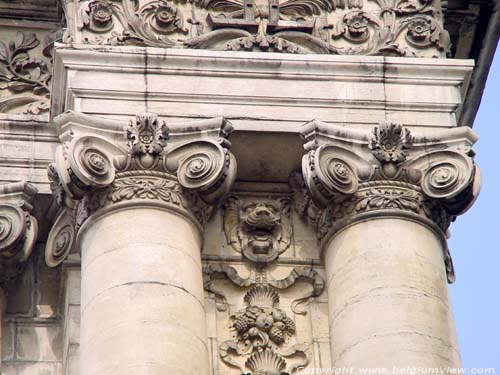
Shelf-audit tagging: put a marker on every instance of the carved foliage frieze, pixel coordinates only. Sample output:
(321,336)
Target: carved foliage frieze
(26,72)
(380,27)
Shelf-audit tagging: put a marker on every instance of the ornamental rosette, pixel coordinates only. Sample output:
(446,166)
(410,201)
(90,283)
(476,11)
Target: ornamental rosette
(101,13)
(357,26)
(97,16)
(419,30)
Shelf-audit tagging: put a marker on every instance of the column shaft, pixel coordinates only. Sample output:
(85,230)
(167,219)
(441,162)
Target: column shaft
(142,306)
(388,297)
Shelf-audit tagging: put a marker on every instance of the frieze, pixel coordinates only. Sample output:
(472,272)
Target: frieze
(351,27)
(26,72)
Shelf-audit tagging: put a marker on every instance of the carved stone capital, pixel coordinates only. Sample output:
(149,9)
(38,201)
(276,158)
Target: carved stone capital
(18,229)
(185,167)
(352,175)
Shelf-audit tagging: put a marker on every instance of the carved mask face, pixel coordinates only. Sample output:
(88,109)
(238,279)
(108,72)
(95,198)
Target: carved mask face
(258,227)
(261,224)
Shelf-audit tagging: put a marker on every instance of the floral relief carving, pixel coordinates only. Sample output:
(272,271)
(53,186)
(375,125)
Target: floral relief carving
(25,77)
(379,27)
(151,23)
(393,173)
(92,173)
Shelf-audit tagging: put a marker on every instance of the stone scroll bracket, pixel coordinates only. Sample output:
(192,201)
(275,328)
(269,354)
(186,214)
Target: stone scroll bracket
(18,230)
(351,175)
(104,164)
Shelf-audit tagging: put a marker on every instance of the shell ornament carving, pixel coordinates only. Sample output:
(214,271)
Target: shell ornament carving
(262,333)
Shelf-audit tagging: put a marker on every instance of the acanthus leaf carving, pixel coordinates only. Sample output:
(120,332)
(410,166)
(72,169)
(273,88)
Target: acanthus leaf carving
(187,175)
(383,27)
(24,77)
(394,173)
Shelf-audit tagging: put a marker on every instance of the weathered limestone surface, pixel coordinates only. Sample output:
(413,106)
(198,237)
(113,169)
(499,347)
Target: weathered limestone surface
(401,305)
(328,250)
(381,204)
(129,259)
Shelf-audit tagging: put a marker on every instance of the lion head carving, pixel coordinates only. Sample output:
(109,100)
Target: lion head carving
(259,228)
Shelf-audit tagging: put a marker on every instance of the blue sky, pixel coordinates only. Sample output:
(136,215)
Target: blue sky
(475,244)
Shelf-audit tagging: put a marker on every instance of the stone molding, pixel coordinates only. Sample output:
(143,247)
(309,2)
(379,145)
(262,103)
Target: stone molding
(18,229)
(350,175)
(354,27)
(49,10)
(186,168)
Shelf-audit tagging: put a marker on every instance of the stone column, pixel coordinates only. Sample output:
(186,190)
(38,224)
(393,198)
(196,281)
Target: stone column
(138,212)
(18,234)
(382,205)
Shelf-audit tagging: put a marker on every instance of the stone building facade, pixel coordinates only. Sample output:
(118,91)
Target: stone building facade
(234,187)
